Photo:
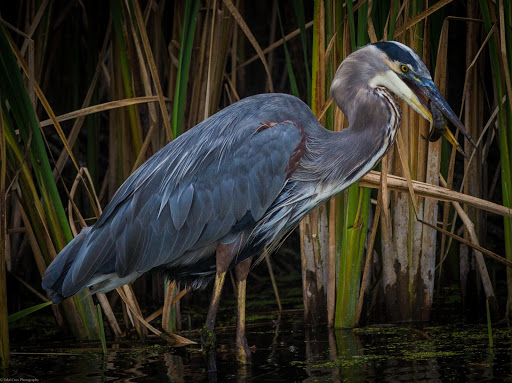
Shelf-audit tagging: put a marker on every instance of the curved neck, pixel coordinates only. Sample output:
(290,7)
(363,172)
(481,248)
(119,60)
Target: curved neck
(348,155)
(372,130)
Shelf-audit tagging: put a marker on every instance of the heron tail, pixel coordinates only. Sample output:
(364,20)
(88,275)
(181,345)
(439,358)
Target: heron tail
(56,273)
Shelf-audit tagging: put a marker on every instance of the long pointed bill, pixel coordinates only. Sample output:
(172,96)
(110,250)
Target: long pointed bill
(440,128)
(426,91)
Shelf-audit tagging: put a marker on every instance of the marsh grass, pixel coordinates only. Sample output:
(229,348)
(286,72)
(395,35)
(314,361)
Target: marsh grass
(155,69)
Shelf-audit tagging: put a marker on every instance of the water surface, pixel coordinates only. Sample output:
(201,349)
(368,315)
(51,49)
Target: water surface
(284,351)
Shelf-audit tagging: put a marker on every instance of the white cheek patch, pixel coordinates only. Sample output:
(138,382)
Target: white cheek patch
(391,81)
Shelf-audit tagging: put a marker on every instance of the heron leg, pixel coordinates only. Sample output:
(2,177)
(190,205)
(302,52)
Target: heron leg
(208,332)
(243,353)
(224,255)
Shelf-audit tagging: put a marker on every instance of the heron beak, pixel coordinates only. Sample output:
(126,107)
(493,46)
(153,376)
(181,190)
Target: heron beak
(432,101)
(440,128)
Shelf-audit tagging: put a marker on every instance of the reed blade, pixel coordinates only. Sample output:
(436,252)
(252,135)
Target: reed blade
(289,67)
(187,41)
(504,128)
(38,183)
(4,326)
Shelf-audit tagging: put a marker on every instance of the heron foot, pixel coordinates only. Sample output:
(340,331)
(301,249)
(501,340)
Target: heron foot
(208,341)
(243,352)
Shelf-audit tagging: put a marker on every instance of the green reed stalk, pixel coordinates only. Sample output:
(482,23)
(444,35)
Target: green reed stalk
(121,42)
(315,59)
(332,25)
(355,222)
(489,325)
(92,121)
(289,67)
(505,130)
(414,243)
(102,330)
(507,173)
(352,248)
(392,18)
(170,311)
(82,325)
(299,12)
(187,41)
(24,117)
(4,327)
(352,24)
(29,310)
(314,227)
(37,185)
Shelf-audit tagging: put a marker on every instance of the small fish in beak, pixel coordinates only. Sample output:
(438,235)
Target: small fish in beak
(439,128)
(432,100)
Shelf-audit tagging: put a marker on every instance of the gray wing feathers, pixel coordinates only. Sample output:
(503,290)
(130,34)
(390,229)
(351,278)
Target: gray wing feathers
(84,267)
(191,200)
(62,265)
(180,204)
(240,203)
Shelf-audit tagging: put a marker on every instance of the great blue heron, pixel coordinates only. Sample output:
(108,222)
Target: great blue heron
(239,181)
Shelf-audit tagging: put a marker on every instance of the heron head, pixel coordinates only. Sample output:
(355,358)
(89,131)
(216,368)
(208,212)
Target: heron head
(398,68)
(407,76)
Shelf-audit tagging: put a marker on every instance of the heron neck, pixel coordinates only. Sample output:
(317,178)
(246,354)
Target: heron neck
(354,151)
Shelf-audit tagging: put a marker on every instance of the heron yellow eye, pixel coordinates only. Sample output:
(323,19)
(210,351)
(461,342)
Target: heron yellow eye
(404,68)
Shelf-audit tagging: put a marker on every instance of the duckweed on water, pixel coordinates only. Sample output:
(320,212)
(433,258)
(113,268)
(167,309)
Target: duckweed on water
(423,355)
(292,352)
(351,362)
(359,360)
(502,334)
(387,330)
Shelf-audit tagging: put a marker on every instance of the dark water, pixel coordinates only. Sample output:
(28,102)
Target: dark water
(284,352)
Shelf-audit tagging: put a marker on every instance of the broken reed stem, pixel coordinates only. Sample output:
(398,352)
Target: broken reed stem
(101,108)
(171,338)
(273,46)
(331,279)
(166,311)
(245,28)
(486,280)
(273,279)
(372,180)
(369,254)
(153,69)
(407,172)
(131,301)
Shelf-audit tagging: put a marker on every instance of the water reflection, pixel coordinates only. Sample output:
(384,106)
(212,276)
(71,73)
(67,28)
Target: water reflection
(175,367)
(363,354)
(285,351)
(350,349)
